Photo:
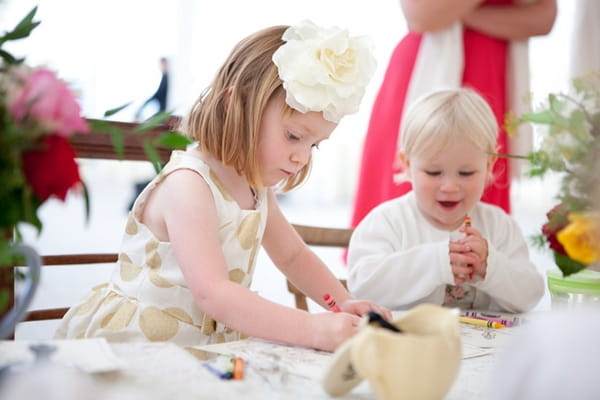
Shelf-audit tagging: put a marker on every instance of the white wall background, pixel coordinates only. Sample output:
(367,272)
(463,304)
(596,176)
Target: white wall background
(109,50)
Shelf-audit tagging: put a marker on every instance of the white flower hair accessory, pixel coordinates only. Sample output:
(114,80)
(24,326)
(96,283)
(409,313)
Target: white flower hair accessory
(324,70)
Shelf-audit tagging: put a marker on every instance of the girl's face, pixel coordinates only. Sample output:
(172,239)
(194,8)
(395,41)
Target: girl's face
(448,184)
(286,141)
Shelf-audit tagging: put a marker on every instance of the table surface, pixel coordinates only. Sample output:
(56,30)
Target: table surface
(163,370)
(172,373)
(157,371)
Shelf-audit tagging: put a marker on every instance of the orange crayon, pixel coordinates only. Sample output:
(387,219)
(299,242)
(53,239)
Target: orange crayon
(238,368)
(468,225)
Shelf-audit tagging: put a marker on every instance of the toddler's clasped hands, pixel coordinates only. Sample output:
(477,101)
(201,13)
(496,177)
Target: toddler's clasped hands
(468,255)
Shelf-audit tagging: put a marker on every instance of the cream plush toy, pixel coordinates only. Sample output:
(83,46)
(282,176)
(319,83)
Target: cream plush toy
(417,357)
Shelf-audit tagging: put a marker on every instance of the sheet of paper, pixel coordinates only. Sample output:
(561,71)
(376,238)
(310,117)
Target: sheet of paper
(294,360)
(485,338)
(470,351)
(91,355)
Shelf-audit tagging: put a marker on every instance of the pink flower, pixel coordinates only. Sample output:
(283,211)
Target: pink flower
(47,100)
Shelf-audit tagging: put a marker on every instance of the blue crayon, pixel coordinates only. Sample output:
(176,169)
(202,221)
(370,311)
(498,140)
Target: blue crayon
(217,373)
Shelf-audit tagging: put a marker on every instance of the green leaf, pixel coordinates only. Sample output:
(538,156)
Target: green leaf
(577,126)
(172,140)
(23,28)
(555,104)
(152,155)
(99,125)
(542,117)
(4,299)
(113,111)
(538,241)
(567,265)
(86,201)
(9,58)
(153,122)
(116,135)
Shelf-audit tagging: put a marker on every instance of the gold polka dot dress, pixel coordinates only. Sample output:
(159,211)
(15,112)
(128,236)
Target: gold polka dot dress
(147,298)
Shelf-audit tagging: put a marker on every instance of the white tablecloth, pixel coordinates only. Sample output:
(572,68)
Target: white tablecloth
(161,371)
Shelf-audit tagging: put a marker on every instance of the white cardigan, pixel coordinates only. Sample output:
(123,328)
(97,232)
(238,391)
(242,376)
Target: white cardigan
(398,259)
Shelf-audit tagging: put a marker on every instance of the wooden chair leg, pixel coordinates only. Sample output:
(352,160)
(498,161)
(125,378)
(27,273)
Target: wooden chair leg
(299,297)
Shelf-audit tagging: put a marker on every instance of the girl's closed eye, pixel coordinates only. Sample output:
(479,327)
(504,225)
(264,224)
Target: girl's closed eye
(466,173)
(433,173)
(292,136)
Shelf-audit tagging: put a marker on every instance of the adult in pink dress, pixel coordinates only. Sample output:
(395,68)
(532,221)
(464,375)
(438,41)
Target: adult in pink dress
(488,27)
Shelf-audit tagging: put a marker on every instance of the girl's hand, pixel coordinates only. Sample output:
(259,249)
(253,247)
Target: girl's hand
(361,307)
(330,329)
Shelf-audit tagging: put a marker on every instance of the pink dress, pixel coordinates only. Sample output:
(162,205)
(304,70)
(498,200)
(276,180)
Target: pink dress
(485,60)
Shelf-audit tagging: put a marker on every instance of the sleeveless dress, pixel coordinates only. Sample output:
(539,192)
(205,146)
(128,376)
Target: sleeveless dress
(485,60)
(147,298)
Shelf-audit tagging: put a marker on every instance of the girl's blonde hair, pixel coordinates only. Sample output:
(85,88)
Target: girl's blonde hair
(445,115)
(225,119)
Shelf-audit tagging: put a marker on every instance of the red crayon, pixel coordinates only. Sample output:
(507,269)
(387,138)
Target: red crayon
(331,303)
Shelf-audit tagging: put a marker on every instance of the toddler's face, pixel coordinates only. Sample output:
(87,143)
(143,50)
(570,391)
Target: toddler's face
(286,141)
(448,184)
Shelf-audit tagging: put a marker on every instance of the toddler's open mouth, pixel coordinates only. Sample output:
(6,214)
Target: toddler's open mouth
(448,204)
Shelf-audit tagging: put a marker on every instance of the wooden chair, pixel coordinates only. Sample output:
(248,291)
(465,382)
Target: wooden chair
(99,146)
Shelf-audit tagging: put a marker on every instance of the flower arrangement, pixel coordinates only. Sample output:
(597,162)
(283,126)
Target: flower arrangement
(39,112)
(324,69)
(570,147)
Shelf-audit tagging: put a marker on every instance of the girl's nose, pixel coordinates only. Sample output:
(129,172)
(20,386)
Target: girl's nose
(301,156)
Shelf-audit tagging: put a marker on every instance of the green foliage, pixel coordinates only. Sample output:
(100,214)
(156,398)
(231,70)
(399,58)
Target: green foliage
(570,146)
(569,126)
(567,265)
(21,31)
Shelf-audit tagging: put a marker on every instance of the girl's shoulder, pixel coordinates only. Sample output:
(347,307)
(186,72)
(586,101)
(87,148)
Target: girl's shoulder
(184,160)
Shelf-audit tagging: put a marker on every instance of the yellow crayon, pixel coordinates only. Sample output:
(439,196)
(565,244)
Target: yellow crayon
(481,322)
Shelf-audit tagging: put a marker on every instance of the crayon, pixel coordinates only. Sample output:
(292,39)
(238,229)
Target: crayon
(468,225)
(378,319)
(481,322)
(238,368)
(506,321)
(331,303)
(217,373)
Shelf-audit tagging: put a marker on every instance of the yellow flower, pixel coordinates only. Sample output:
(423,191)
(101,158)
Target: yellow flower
(581,238)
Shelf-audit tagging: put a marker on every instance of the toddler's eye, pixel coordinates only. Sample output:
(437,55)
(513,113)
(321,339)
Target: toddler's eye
(433,173)
(466,173)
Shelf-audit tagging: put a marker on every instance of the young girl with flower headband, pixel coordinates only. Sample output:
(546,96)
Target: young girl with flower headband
(404,252)
(193,235)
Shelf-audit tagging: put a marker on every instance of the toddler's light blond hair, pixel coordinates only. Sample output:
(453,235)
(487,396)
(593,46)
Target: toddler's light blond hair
(447,115)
